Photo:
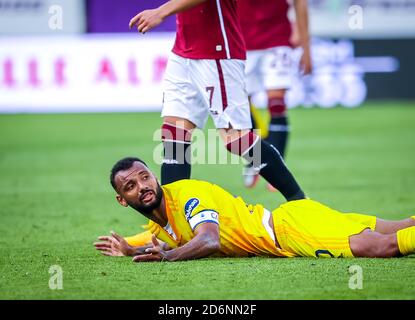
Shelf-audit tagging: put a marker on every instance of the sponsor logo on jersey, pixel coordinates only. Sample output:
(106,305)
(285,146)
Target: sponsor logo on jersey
(190,205)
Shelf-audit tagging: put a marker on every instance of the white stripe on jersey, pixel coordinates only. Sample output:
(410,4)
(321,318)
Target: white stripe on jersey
(265,223)
(222,27)
(170,231)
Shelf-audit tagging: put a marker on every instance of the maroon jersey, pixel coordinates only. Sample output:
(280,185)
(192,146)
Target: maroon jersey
(264,23)
(210,30)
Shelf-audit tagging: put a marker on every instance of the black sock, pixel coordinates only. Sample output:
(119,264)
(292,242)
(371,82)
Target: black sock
(254,126)
(176,164)
(250,164)
(278,134)
(272,168)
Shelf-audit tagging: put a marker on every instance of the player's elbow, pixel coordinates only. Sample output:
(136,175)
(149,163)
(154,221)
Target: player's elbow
(212,244)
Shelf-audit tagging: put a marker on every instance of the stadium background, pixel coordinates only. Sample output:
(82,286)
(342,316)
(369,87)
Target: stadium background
(57,145)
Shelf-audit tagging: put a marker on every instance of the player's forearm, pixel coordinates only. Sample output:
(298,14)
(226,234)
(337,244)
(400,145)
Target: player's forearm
(301,12)
(199,247)
(175,6)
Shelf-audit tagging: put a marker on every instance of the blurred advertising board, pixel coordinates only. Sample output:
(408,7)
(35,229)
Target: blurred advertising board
(35,17)
(328,18)
(347,72)
(82,73)
(123,72)
(362,18)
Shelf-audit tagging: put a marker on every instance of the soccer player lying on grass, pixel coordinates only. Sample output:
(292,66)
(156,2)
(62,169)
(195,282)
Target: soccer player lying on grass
(196,219)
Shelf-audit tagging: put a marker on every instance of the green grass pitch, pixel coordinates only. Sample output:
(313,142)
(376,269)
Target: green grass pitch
(55,199)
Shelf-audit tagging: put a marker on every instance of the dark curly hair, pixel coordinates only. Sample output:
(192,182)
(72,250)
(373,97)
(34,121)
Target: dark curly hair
(121,165)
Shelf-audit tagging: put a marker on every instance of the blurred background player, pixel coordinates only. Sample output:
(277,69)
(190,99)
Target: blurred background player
(269,39)
(205,74)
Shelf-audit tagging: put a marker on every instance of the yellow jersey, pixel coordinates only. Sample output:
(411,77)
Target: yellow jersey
(244,229)
(303,227)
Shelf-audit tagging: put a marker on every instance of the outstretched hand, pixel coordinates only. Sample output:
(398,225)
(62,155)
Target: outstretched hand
(146,20)
(114,246)
(153,254)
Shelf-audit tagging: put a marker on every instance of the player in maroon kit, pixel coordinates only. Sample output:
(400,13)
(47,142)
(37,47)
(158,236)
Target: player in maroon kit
(267,32)
(205,74)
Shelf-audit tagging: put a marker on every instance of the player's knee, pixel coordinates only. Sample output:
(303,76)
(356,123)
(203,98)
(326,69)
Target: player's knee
(179,122)
(386,246)
(371,244)
(228,135)
(276,94)
(410,222)
(174,133)
(241,144)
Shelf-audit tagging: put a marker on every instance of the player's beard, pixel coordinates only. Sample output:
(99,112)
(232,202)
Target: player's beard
(147,209)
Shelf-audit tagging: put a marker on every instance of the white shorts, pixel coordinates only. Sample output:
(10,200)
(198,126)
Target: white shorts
(269,69)
(193,88)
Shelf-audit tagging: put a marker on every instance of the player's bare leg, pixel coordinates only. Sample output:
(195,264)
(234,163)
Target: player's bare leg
(265,158)
(388,227)
(176,137)
(179,122)
(372,244)
(229,135)
(250,175)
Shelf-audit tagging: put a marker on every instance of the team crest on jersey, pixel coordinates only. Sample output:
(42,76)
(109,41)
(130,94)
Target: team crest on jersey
(190,205)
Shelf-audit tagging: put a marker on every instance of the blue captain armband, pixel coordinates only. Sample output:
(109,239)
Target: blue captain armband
(203,216)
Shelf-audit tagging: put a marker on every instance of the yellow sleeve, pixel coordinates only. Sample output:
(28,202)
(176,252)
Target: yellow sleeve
(140,239)
(199,205)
